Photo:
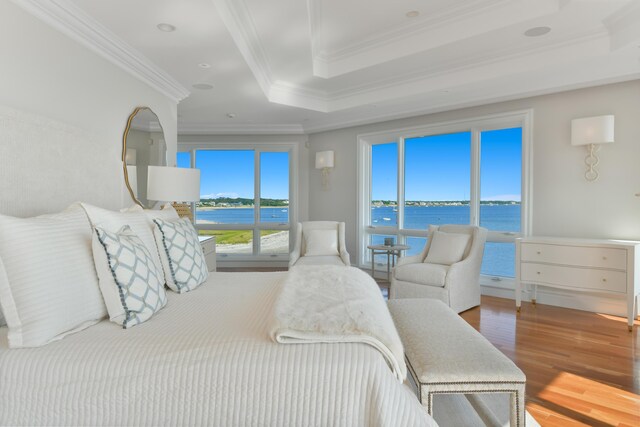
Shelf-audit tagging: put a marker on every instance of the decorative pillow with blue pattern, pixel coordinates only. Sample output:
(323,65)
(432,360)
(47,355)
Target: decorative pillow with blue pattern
(181,255)
(137,290)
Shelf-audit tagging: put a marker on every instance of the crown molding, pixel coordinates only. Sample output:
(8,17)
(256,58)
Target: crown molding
(239,129)
(239,23)
(623,26)
(589,40)
(418,36)
(420,110)
(72,21)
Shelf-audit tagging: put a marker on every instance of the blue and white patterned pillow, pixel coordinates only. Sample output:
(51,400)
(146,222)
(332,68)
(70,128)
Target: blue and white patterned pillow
(137,290)
(181,255)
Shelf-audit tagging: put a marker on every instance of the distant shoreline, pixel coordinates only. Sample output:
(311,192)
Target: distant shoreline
(212,208)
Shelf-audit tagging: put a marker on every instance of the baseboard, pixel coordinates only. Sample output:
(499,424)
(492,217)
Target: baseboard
(586,301)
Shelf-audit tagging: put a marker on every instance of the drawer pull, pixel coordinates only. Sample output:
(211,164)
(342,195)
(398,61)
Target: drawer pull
(538,252)
(604,280)
(537,272)
(604,258)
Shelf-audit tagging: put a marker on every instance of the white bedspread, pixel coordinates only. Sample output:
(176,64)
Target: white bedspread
(205,359)
(336,304)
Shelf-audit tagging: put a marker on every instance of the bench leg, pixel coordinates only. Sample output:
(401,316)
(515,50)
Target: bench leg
(517,409)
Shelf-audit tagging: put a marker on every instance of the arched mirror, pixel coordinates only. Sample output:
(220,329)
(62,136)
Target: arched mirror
(143,145)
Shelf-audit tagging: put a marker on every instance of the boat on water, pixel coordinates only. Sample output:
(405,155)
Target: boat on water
(283,210)
(387,219)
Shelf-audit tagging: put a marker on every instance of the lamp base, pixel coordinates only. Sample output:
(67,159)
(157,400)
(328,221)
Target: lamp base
(183,210)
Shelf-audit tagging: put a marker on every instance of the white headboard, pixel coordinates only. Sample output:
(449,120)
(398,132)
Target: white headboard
(46,165)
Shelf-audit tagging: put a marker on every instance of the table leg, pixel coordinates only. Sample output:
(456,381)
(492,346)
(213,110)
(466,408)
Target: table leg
(373,256)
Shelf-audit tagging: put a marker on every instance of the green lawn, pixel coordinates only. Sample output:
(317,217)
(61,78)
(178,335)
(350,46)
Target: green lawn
(234,237)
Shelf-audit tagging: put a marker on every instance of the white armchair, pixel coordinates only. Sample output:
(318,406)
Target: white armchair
(328,248)
(431,275)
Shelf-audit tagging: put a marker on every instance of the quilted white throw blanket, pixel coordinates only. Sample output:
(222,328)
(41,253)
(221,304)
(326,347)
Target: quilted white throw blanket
(329,304)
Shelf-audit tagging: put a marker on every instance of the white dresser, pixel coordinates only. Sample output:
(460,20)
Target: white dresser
(209,248)
(607,266)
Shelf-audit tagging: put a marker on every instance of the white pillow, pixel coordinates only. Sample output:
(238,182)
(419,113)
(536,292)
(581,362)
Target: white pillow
(135,291)
(181,254)
(166,212)
(48,283)
(447,248)
(113,222)
(321,242)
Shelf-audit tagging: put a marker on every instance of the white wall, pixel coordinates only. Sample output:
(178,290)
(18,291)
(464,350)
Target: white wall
(44,73)
(564,203)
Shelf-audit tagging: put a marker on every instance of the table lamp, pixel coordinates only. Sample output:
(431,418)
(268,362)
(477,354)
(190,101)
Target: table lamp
(177,185)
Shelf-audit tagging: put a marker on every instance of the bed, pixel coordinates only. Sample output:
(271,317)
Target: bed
(205,359)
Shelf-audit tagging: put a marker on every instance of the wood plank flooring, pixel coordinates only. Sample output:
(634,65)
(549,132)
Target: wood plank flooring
(583,369)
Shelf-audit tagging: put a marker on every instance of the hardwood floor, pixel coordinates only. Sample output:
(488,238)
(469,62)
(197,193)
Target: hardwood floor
(582,368)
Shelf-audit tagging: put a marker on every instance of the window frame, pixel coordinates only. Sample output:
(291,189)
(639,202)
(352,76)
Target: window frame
(257,226)
(475,125)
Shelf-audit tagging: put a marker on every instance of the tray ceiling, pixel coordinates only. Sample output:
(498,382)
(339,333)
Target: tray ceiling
(288,66)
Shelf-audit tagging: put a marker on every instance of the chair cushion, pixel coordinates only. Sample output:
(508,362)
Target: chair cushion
(321,242)
(320,260)
(422,273)
(447,248)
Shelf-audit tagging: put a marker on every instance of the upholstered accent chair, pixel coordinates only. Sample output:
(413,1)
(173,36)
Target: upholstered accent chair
(448,268)
(319,243)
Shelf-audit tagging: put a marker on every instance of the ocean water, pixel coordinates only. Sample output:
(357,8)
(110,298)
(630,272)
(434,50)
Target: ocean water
(243,215)
(498,258)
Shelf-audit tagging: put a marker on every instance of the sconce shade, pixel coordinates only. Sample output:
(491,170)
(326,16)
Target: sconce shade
(324,159)
(592,130)
(167,184)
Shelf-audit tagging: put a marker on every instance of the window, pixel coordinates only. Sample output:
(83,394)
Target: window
(245,199)
(471,172)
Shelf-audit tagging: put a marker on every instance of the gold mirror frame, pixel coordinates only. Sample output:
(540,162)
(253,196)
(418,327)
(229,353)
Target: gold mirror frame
(124,150)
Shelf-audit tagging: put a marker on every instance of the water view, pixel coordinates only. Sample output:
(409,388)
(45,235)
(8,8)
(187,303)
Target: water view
(498,257)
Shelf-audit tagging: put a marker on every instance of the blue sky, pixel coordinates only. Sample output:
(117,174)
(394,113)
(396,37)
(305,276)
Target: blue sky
(231,173)
(438,167)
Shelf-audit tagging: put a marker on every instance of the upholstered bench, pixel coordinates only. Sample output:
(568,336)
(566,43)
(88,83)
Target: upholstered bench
(447,355)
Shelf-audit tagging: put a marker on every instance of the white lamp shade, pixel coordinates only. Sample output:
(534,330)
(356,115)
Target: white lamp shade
(592,130)
(167,184)
(132,176)
(324,159)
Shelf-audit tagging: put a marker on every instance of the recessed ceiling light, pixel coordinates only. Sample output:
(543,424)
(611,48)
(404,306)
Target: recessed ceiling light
(412,14)
(537,31)
(167,28)
(231,115)
(202,86)
(204,65)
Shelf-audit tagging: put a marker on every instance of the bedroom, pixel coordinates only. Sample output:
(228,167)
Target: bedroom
(53,82)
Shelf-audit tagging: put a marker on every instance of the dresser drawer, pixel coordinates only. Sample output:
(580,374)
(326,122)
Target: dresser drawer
(583,256)
(582,278)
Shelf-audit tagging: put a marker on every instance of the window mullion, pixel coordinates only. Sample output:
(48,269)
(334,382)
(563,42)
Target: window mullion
(400,196)
(256,203)
(474,193)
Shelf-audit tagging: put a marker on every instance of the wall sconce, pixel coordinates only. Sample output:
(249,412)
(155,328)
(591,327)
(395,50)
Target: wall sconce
(324,161)
(592,131)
